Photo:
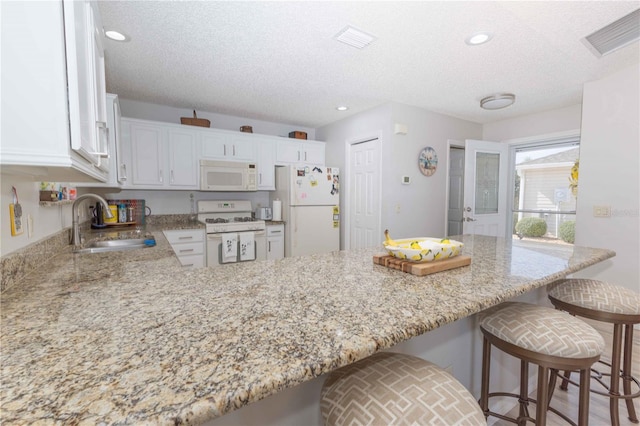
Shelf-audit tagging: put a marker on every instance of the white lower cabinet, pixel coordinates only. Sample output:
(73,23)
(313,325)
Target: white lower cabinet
(275,241)
(188,245)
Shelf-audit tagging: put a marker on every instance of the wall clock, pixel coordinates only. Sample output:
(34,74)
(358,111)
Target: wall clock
(428,161)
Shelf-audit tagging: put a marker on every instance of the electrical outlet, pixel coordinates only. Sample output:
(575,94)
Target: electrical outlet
(601,211)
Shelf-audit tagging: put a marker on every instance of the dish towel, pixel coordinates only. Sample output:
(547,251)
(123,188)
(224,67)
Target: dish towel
(229,248)
(247,246)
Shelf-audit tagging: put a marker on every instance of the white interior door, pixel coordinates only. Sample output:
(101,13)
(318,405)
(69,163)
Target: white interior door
(364,215)
(485,188)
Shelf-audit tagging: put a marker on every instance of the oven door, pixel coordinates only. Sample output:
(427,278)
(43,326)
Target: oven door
(214,249)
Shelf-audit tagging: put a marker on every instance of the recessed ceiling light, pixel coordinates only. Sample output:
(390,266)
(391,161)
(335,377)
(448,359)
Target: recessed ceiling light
(498,101)
(115,35)
(478,37)
(342,108)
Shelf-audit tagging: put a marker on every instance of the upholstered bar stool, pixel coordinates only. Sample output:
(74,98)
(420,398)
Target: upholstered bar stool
(601,301)
(396,389)
(551,339)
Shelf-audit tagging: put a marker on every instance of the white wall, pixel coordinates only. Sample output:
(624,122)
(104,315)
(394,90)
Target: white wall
(147,111)
(610,176)
(179,202)
(552,121)
(407,210)
(46,220)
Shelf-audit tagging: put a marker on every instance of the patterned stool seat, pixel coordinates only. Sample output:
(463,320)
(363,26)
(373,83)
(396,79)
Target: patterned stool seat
(393,389)
(601,301)
(547,337)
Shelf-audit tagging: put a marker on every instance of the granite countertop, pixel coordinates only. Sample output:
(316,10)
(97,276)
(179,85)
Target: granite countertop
(130,337)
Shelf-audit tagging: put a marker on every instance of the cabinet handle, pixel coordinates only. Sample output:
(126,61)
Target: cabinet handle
(298,155)
(225,150)
(102,142)
(269,246)
(188,265)
(234,150)
(185,238)
(186,250)
(171,176)
(276,232)
(124,173)
(161,177)
(259,178)
(305,156)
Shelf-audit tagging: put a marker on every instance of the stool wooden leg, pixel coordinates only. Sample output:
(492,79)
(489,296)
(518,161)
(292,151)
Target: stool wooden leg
(552,383)
(484,389)
(565,383)
(583,399)
(615,374)
(542,396)
(626,371)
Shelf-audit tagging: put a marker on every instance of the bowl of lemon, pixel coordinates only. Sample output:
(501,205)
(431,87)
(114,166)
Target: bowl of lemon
(422,249)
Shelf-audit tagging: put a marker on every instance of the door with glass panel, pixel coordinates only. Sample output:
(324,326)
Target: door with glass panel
(485,188)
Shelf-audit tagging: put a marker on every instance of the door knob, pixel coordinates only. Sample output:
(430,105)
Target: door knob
(470,219)
(467,209)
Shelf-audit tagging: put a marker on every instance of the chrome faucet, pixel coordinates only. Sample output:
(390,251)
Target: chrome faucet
(75,223)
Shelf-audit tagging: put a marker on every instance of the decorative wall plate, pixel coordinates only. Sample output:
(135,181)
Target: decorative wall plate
(428,161)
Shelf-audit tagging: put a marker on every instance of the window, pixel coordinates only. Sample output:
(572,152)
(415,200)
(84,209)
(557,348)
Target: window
(545,192)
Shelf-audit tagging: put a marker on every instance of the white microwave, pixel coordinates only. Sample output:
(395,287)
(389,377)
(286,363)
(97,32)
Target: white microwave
(228,176)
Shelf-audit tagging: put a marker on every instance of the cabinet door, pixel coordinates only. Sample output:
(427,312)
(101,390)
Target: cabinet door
(147,152)
(314,152)
(213,145)
(182,159)
(81,45)
(223,145)
(288,152)
(275,248)
(266,160)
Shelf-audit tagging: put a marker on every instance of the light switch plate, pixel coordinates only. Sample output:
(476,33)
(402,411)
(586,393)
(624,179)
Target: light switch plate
(601,211)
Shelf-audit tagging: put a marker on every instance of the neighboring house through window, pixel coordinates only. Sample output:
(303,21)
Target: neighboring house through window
(543,191)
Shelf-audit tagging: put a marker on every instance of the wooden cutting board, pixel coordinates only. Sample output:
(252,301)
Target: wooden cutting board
(424,268)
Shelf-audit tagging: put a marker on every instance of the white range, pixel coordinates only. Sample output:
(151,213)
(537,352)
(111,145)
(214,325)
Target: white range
(233,235)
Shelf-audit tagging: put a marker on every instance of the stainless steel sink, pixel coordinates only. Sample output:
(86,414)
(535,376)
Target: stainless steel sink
(116,245)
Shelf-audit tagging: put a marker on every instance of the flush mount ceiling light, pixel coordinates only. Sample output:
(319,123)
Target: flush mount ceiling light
(116,36)
(356,38)
(342,108)
(479,37)
(614,36)
(498,101)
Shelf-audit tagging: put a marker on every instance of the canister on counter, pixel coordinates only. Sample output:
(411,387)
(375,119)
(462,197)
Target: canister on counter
(122,213)
(114,212)
(130,214)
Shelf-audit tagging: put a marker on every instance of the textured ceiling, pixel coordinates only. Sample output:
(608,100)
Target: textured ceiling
(279,61)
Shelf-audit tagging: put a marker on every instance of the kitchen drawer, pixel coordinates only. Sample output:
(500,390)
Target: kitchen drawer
(275,230)
(184,236)
(187,249)
(195,261)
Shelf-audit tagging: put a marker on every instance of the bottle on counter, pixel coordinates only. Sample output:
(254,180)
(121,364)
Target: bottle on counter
(122,213)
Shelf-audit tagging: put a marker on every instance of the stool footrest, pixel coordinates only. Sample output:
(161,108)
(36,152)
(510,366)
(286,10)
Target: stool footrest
(597,376)
(528,401)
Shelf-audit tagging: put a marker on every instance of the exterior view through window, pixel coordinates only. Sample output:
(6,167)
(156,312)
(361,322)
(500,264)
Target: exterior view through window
(546,191)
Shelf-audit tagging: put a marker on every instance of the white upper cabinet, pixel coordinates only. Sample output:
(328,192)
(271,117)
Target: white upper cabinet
(161,156)
(226,145)
(266,148)
(53,97)
(297,151)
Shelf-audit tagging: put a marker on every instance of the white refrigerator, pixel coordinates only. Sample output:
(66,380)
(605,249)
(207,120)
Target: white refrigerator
(310,208)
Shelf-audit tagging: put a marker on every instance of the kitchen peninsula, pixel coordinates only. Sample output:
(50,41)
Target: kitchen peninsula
(131,337)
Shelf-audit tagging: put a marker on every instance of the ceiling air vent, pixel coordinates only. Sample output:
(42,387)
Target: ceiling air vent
(356,38)
(618,34)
